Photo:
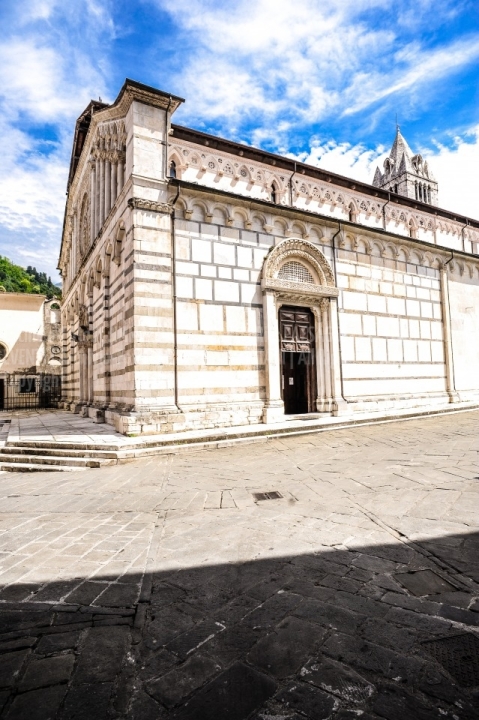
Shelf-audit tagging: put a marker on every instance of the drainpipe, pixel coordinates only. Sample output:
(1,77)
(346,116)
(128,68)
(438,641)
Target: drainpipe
(167,130)
(448,344)
(384,210)
(290,183)
(337,314)
(173,293)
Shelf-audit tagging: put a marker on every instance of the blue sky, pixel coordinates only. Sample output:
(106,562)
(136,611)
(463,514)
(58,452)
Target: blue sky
(319,81)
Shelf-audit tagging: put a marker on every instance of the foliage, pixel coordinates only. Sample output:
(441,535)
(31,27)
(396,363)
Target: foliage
(14,278)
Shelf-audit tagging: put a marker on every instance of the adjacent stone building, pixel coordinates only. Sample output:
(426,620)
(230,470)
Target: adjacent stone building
(209,283)
(30,351)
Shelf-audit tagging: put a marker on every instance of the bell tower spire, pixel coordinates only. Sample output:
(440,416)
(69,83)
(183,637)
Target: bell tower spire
(406,174)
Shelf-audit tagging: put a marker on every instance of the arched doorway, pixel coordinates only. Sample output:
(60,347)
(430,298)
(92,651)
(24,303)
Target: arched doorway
(301,332)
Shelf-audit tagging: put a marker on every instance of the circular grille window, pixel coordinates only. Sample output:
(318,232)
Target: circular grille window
(3,351)
(295,272)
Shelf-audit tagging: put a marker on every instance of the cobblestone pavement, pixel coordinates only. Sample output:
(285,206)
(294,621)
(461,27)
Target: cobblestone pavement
(164,588)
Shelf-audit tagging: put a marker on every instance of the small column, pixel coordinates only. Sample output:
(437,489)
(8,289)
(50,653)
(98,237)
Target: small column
(327,403)
(274,406)
(90,372)
(318,340)
(107,188)
(102,193)
(83,372)
(113,187)
(339,404)
(97,196)
(92,200)
(119,175)
(446,328)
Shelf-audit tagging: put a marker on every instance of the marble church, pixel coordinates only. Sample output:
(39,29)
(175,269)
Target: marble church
(210,284)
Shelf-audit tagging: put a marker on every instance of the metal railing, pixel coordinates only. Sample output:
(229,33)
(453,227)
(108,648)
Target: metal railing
(29,392)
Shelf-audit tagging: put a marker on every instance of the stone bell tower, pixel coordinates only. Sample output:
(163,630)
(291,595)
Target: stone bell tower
(407,174)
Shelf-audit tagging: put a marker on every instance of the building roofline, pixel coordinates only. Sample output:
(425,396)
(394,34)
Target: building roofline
(299,168)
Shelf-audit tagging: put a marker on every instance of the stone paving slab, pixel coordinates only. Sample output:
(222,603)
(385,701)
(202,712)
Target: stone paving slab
(164,589)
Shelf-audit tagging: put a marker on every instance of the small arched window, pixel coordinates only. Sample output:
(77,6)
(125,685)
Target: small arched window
(172,170)
(295,272)
(274,193)
(429,194)
(54,313)
(352,213)
(396,189)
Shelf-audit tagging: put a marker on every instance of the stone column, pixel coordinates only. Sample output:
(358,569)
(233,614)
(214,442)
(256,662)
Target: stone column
(119,175)
(102,193)
(92,200)
(446,328)
(90,397)
(106,336)
(339,406)
(97,196)
(274,405)
(82,350)
(107,187)
(318,341)
(113,188)
(327,395)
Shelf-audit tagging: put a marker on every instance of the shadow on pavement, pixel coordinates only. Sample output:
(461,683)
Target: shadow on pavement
(386,631)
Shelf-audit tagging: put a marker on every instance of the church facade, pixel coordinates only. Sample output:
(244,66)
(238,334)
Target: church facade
(212,284)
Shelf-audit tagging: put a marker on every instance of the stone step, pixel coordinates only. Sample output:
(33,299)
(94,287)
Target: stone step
(57,451)
(53,460)
(29,467)
(47,444)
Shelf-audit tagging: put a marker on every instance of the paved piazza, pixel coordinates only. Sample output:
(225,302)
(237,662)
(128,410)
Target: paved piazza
(163,588)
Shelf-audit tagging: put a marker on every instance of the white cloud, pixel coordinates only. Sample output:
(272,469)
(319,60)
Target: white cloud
(421,67)
(456,170)
(305,60)
(32,199)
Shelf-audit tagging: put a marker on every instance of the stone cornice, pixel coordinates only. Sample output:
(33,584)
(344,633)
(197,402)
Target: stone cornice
(150,205)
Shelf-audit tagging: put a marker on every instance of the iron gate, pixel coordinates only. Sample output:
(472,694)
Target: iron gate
(28,392)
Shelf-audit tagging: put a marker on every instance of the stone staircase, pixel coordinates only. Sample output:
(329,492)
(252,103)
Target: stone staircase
(32,455)
(24,456)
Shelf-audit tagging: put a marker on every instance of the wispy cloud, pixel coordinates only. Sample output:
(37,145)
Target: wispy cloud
(304,60)
(47,77)
(413,67)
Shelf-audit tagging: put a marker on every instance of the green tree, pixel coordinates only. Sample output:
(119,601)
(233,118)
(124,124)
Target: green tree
(14,278)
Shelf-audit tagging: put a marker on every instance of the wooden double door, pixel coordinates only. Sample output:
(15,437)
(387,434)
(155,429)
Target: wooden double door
(298,360)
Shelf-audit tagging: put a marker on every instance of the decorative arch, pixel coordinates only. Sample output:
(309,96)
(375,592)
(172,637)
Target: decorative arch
(98,273)
(302,251)
(119,238)
(241,218)
(84,228)
(91,283)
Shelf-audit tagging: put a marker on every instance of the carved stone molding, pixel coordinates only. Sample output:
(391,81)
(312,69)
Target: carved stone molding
(150,205)
(297,289)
